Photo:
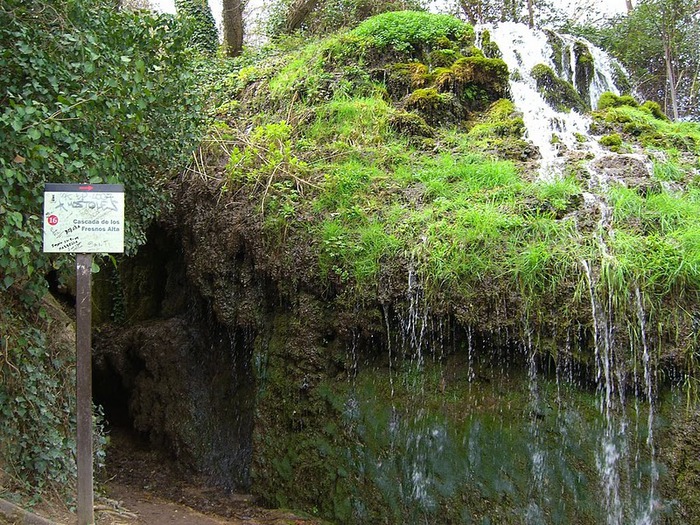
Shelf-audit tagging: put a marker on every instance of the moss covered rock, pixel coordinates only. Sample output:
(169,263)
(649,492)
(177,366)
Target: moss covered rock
(558,92)
(584,69)
(437,109)
(411,124)
(404,77)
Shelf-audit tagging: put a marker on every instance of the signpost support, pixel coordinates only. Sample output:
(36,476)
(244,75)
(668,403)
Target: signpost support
(84,388)
(84,219)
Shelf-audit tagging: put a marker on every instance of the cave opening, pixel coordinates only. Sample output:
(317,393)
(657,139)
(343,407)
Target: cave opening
(169,375)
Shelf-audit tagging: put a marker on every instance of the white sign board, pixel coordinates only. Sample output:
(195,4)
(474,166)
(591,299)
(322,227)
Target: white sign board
(84,218)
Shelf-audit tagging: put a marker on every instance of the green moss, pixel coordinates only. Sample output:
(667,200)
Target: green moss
(655,109)
(608,99)
(489,48)
(501,121)
(557,46)
(611,100)
(443,57)
(472,51)
(613,141)
(411,124)
(558,93)
(475,231)
(628,100)
(476,81)
(489,73)
(404,77)
(641,123)
(637,128)
(435,107)
(583,71)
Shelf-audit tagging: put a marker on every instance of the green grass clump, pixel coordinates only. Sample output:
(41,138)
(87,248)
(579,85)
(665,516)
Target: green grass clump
(656,242)
(351,120)
(411,30)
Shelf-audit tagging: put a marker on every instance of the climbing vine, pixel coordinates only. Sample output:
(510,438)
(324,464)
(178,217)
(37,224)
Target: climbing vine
(87,93)
(204,34)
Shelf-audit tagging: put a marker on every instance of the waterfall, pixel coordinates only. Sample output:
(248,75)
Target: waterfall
(550,129)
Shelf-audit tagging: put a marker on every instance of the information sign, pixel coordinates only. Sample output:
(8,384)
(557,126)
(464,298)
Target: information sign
(84,218)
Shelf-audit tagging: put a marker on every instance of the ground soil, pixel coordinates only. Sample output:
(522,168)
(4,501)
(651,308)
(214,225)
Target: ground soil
(144,486)
(153,489)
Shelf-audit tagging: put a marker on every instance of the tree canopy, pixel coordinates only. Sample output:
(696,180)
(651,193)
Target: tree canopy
(88,94)
(658,42)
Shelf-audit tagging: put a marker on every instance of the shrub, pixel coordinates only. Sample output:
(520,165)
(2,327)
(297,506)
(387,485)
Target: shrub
(88,94)
(412,30)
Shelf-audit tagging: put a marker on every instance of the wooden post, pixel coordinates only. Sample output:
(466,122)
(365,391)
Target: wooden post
(84,388)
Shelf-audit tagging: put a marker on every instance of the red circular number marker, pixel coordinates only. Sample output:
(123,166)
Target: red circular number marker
(52,220)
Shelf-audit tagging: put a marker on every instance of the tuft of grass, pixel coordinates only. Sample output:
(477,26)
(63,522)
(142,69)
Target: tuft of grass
(410,30)
(352,121)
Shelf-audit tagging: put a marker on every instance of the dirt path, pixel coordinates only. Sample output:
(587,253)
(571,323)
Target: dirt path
(143,486)
(131,506)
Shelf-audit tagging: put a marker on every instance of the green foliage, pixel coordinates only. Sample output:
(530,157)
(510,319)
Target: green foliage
(411,30)
(267,161)
(331,15)
(94,95)
(205,36)
(37,411)
(88,94)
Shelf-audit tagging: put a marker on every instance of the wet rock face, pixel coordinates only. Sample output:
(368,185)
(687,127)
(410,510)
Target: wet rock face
(632,171)
(268,383)
(685,463)
(180,378)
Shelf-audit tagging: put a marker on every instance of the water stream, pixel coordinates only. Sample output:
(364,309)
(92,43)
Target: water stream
(552,131)
(489,428)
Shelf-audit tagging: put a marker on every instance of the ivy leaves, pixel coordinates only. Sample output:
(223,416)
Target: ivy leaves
(88,94)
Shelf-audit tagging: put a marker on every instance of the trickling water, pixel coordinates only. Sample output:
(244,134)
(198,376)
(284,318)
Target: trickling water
(647,516)
(538,456)
(609,453)
(549,129)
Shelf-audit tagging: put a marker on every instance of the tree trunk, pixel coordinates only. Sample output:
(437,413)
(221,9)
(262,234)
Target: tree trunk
(531,13)
(297,13)
(232,18)
(670,76)
(472,10)
(628,3)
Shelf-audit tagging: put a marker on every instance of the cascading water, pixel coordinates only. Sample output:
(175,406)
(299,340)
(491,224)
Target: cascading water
(455,423)
(551,129)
